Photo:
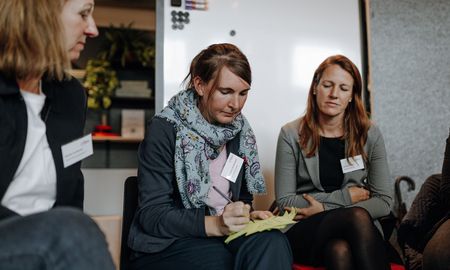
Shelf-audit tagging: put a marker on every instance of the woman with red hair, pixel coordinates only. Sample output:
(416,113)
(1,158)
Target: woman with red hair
(331,166)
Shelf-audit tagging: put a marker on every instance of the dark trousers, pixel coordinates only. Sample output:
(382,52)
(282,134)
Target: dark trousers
(265,250)
(59,239)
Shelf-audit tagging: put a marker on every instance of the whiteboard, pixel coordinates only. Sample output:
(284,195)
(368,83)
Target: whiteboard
(284,41)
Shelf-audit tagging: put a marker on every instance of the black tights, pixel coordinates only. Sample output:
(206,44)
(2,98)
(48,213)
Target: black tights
(343,238)
(436,255)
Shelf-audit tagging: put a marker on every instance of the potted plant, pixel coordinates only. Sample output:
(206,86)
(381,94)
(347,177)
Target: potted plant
(126,46)
(100,82)
(126,54)
(131,53)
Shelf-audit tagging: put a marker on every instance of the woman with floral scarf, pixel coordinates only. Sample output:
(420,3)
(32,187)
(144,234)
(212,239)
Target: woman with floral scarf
(198,171)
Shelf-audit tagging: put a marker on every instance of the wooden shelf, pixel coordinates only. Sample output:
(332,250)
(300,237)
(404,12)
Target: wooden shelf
(143,19)
(118,139)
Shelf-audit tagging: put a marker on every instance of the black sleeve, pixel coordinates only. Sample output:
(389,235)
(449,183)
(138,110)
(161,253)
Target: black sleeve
(65,123)
(6,212)
(245,196)
(79,192)
(161,212)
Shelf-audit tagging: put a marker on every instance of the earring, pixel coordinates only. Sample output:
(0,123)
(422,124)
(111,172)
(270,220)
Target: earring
(350,100)
(314,93)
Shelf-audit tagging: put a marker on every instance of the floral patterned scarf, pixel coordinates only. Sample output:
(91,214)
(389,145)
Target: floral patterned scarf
(198,141)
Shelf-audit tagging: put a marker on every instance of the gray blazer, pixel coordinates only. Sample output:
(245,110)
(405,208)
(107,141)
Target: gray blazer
(296,174)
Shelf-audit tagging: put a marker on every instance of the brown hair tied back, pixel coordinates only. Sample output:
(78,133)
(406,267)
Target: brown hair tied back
(210,61)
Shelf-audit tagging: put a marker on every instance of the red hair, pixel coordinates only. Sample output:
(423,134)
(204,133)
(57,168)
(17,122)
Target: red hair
(356,120)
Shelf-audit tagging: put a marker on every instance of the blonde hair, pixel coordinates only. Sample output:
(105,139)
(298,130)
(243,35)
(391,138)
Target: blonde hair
(32,39)
(356,120)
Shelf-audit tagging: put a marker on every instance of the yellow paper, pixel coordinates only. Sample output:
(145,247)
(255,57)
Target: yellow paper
(275,222)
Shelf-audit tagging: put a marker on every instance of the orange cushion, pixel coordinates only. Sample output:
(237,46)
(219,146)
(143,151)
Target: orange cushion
(395,266)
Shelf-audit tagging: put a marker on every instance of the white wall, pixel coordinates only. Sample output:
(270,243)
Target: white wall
(411,77)
(103,190)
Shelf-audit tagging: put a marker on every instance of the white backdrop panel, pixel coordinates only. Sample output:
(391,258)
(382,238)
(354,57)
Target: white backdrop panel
(284,41)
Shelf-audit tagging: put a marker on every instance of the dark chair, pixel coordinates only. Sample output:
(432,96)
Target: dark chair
(130,203)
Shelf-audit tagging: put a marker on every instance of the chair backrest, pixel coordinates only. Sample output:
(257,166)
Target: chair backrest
(130,203)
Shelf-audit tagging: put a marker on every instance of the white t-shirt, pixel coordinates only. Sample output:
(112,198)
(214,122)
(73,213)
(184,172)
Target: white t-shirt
(33,188)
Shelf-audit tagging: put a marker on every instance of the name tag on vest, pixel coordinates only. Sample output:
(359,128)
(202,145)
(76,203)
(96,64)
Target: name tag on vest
(77,150)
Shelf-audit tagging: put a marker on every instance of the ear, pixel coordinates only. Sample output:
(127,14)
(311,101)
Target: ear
(199,86)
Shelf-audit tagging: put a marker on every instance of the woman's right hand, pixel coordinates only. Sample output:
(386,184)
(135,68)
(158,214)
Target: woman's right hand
(235,216)
(358,194)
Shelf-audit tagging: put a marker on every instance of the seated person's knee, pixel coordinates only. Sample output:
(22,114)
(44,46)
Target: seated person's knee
(338,248)
(357,217)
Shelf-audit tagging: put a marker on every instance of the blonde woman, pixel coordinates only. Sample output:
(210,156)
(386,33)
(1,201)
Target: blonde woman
(41,110)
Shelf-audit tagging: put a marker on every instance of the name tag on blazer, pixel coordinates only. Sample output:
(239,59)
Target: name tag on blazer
(352,164)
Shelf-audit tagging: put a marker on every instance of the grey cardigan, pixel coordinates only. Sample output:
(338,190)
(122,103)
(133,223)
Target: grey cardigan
(296,174)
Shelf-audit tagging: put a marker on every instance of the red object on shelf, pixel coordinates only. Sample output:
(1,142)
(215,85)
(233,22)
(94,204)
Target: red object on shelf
(104,134)
(104,131)
(103,128)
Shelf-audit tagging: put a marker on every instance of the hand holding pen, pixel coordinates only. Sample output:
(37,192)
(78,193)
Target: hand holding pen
(246,206)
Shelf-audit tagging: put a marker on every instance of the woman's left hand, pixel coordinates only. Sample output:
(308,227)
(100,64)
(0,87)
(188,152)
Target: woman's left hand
(261,214)
(313,208)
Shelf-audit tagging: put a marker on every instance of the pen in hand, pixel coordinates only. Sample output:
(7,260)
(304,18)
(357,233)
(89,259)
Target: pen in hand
(226,198)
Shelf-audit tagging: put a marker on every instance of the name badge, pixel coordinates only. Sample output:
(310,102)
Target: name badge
(232,167)
(352,164)
(77,150)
